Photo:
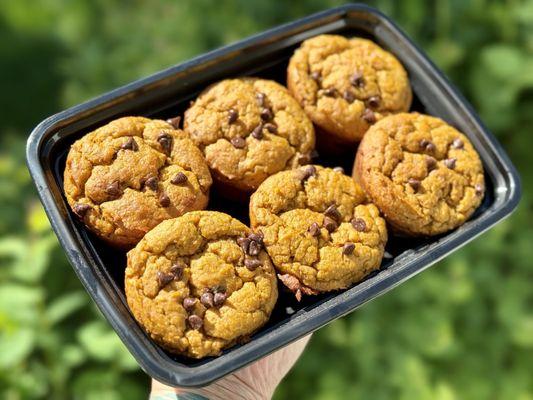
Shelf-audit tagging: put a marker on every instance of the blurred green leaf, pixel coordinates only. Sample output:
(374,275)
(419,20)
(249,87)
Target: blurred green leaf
(15,346)
(64,306)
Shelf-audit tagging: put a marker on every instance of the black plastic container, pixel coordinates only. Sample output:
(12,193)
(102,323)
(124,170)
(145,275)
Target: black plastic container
(167,93)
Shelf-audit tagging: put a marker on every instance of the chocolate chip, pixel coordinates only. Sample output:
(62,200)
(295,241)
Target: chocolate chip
(348,96)
(164,200)
(314,229)
(254,248)
(195,322)
(261,98)
(315,75)
(233,115)
(423,143)
(238,142)
(151,183)
(348,248)
(252,263)
(480,189)
(359,224)
(332,212)
(164,279)
(306,172)
(179,178)
(339,169)
(81,209)
(266,114)
(188,303)
(256,237)
(165,140)
(427,145)
(175,122)
(207,299)
(357,80)
(244,244)
(373,102)
(369,116)
(330,224)
(431,163)
(415,183)
(177,270)
(130,144)
(330,92)
(113,189)
(271,127)
(450,163)
(219,298)
(458,143)
(257,133)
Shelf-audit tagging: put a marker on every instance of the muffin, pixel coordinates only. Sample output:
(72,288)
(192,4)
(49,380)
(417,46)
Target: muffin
(200,283)
(248,130)
(124,178)
(318,228)
(423,174)
(346,85)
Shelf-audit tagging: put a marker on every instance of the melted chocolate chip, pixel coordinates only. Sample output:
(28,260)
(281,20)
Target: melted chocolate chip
(330,224)
(431,163)
(219,298)
(179,178)
(195,322)
(244,244)
(256,237)
(113,189)
(369,116)
(252,263)
(306,172)
(81,209)
(414,183)
(257,133)
(164,200)
(238,142)
(266,114)
(164,279)
(151,183)
(261,99)
(348,96)
(177,270)
(357,80)
(480,189)
(188,303)
(130,144)
(450,163)
(373,102)
(175,122)
(165,140)
(207,299)
(254,248)
(348,248)
(233,115)
(458,143)
(314,229)
(332,212)
(271,127)
(359,224)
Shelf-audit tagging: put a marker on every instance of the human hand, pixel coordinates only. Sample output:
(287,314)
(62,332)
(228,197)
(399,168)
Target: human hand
(256,381)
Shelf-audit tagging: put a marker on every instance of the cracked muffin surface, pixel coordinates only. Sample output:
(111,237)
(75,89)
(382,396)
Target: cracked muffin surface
(127,176)
(423,174)
(346,85)
(200,283)
(318,228)
(249,129)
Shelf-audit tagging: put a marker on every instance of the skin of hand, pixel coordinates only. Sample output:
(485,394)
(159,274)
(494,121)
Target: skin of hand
(256,381)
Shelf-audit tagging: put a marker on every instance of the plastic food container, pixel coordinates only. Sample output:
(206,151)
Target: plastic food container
(167,93)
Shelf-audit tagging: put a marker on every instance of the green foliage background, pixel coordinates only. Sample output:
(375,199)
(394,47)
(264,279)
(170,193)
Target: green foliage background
(462,330)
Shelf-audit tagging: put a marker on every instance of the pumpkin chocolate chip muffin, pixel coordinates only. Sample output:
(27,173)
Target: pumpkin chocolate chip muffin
(346,85)
(318,228)
(248,130)
(129,175)
(200,283)
(423,174)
